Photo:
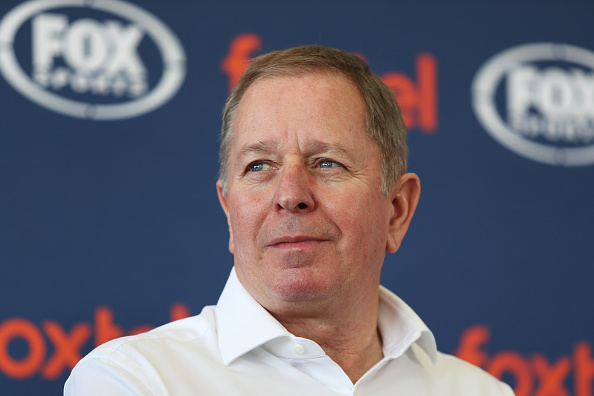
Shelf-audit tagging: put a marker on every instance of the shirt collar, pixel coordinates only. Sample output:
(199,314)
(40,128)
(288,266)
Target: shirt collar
(243,324)
(400,327)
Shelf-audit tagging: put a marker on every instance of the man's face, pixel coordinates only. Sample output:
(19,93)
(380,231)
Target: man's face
(308,221)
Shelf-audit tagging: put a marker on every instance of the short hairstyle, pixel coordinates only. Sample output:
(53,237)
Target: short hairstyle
(383,118)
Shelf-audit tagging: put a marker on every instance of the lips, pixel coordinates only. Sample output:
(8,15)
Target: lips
(295,241)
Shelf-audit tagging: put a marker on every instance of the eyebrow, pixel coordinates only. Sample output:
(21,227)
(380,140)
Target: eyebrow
(317,147)
(310,149)
(261,147)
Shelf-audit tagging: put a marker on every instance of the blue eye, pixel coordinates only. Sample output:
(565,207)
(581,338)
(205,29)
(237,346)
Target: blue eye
(328,164)
(258,166)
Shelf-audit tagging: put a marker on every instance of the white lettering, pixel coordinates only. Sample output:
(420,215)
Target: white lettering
(125,43)
(100,57)
(47,31)
(556,92)
(585,98)
(59,79)
(85,47)
(567,130)
(100,85)
(553,104)
(553,91)
(521,90)
(79,83)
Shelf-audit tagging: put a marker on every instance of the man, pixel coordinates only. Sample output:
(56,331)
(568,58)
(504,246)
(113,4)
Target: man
(313,185)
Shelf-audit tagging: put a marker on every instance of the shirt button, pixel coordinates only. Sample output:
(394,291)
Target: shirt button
(299,349)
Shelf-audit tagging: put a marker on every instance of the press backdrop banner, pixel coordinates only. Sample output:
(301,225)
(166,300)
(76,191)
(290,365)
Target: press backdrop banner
(109,221)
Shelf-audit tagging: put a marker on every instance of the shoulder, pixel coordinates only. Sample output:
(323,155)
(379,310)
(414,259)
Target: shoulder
(130,362)
(185,330)
(452,375)
(460,373)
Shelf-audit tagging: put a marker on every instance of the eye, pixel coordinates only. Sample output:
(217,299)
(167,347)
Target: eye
(258,166)
(328,164)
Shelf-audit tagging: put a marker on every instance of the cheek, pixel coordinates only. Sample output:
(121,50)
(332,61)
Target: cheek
(363,222)
(247,214)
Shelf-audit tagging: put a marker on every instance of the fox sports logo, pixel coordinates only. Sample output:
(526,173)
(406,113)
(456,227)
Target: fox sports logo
(537,100)
(100,60)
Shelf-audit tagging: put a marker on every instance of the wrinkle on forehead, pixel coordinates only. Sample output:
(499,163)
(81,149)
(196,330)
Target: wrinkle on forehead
(293,107)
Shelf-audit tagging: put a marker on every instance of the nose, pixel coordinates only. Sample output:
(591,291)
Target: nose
(294,189)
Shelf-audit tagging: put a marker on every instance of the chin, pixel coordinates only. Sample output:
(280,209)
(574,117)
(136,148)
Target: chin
(300,285)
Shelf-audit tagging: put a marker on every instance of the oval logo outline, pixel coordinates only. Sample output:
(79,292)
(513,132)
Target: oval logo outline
(170,48)
(485,84)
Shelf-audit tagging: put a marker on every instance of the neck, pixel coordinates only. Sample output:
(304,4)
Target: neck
(352,341)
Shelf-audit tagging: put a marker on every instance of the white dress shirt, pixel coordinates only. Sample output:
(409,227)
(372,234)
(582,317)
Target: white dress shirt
(238,348)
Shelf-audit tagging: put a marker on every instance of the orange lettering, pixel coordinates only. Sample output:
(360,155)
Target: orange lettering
(584,369)
(105,329)
(417,103)
(513,363)
(527,373)
(26,330)
(67,347)
(238,58)
(470,343)
(406,95)
(140,329)
(551,377)
(427,75)
(179,311)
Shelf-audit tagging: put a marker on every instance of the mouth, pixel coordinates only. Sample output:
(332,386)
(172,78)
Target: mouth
(299,241)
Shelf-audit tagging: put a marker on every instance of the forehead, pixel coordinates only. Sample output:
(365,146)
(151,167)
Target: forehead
(322,105)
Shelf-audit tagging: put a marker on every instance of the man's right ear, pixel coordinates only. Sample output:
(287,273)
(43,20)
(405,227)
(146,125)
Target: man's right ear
(225,206)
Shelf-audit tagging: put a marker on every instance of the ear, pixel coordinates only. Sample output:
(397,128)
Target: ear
(405,195)
(225,206)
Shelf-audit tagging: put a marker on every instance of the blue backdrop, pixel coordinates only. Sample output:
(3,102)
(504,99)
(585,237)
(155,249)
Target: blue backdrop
(109,221)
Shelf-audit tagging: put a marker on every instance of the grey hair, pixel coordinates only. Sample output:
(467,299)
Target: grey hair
(383,118)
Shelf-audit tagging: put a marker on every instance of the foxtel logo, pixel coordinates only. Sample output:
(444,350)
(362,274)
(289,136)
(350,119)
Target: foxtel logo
(67,344)
(535,375)
(417,100)
(90,67)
